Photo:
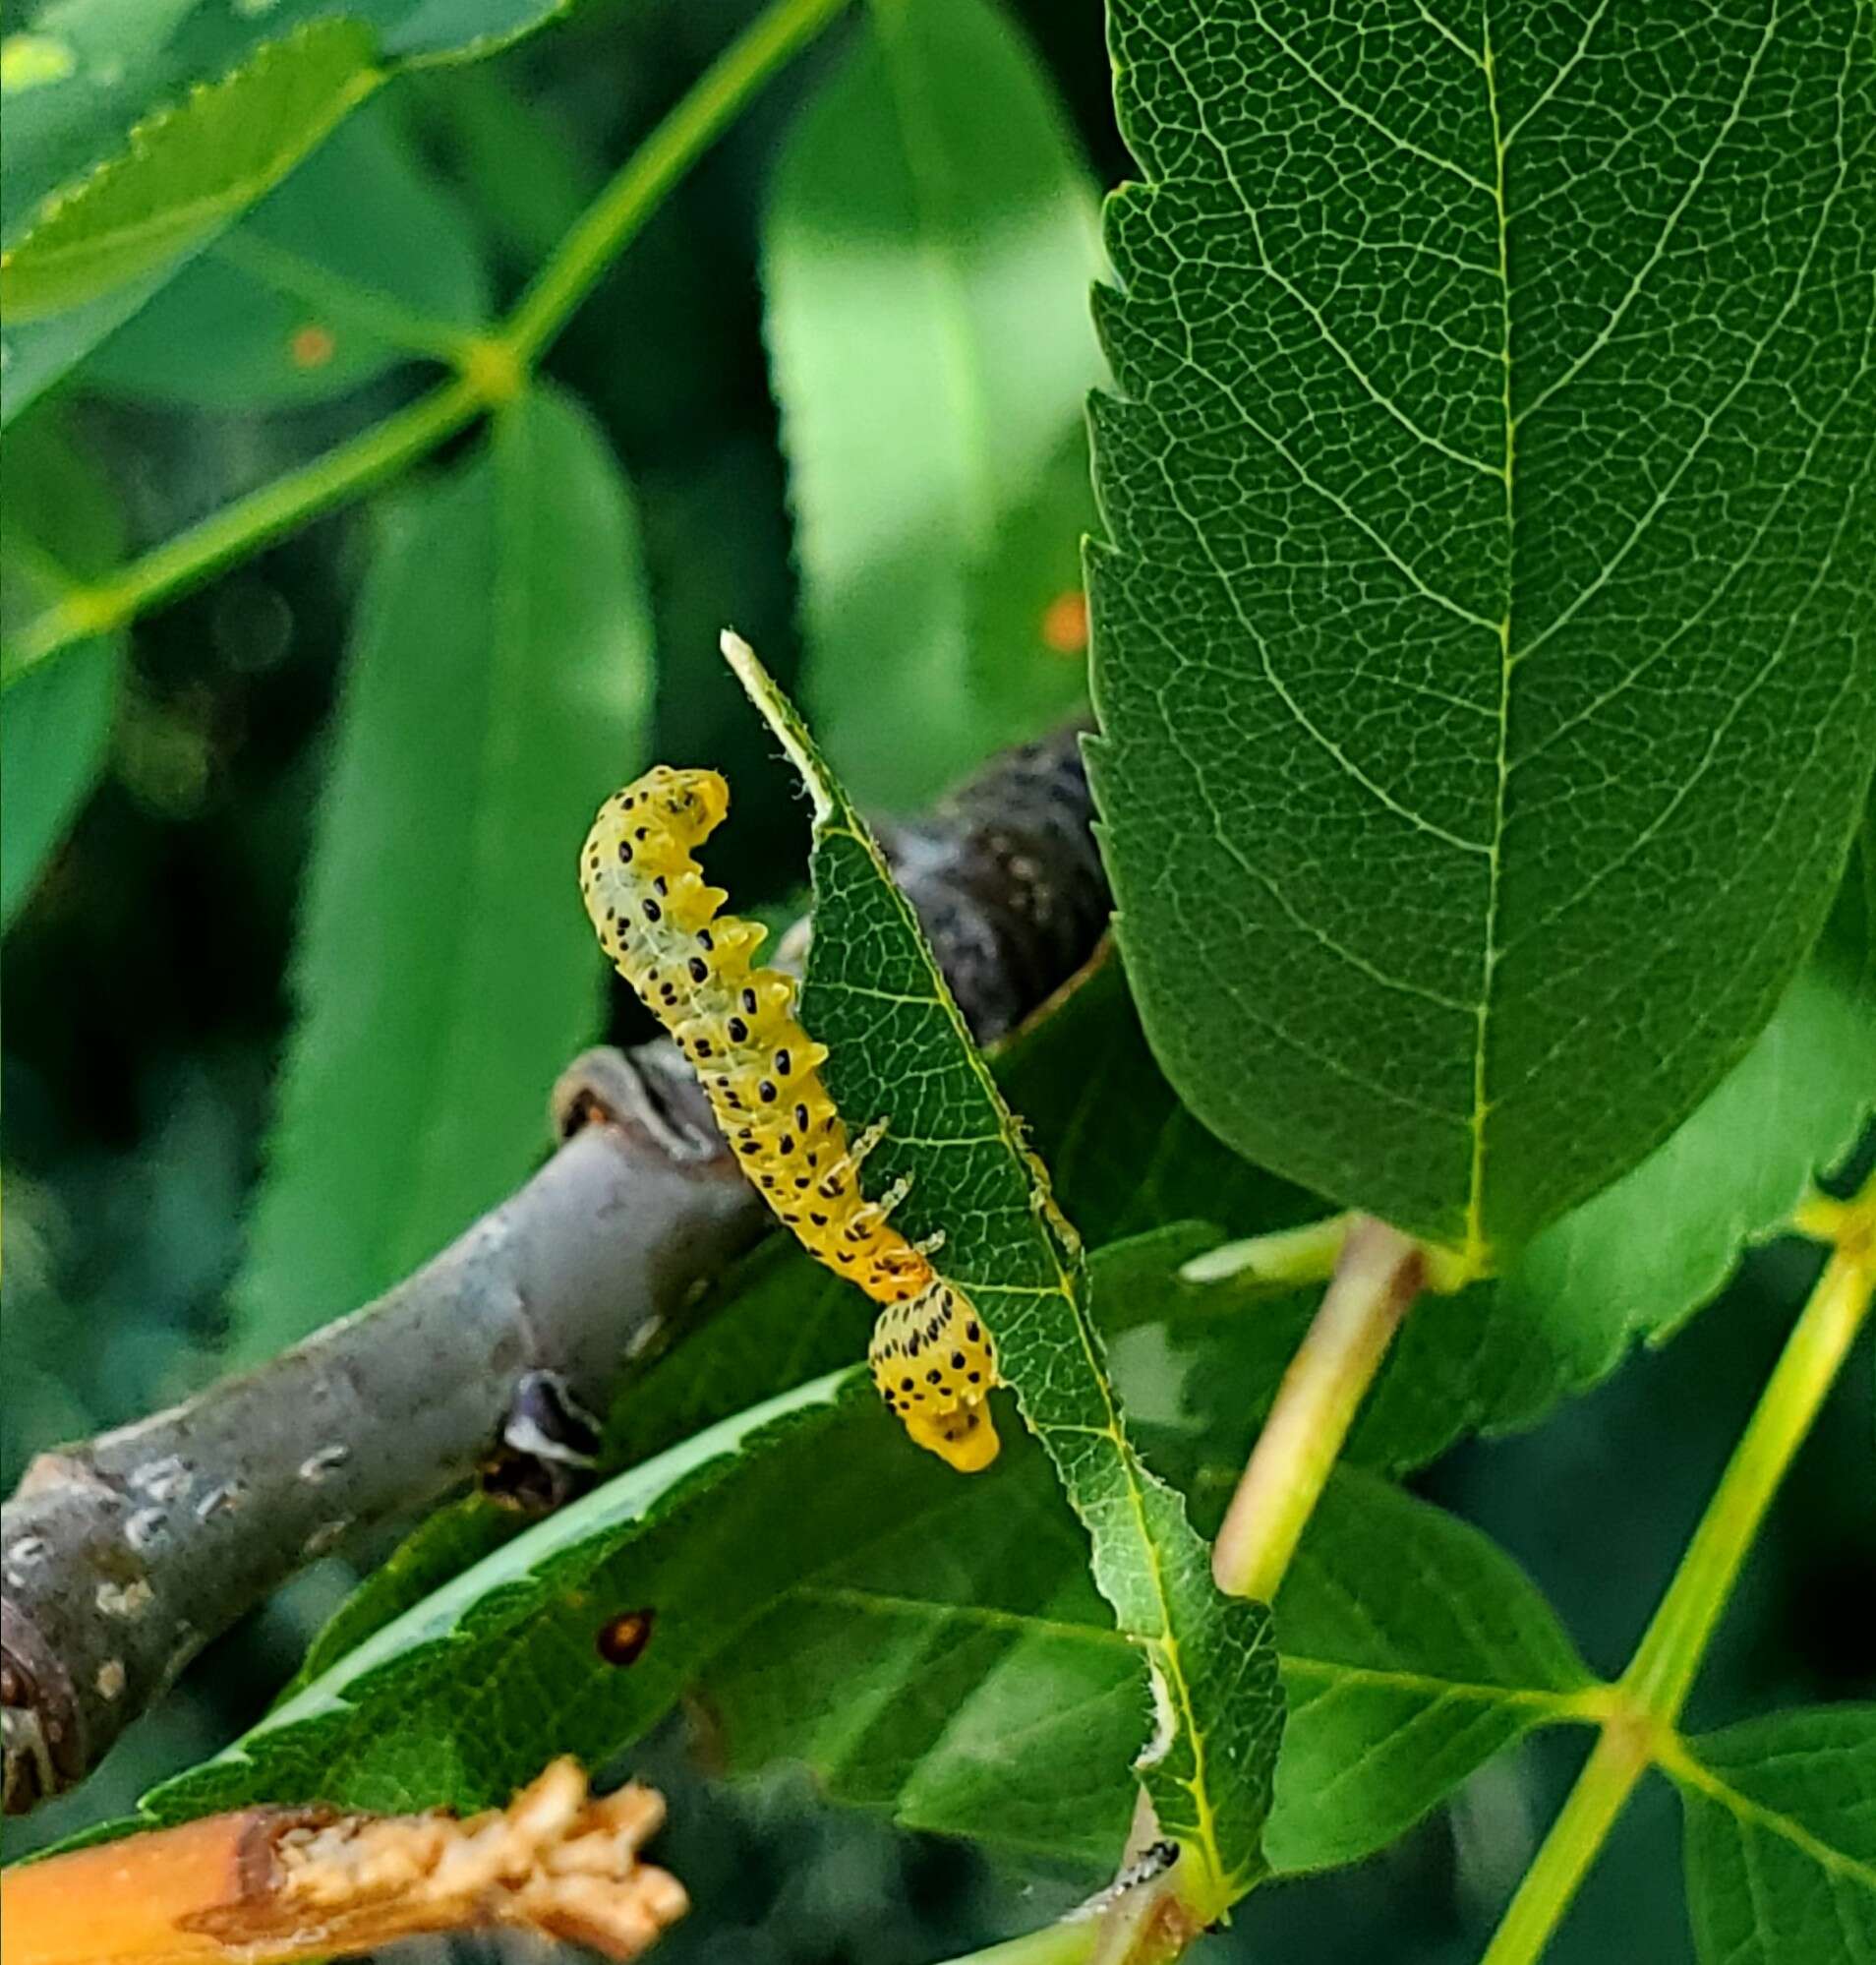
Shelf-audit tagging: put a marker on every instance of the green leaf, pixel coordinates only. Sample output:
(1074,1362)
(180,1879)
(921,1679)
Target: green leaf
(41,353)
(361,260)
(227,87)
(1412,1650)
(1781,1838)
(898,1047)
(930,236)
(188,170)
(1633,1264)
(1123,1153)
(500,686)
(1483,649)
(963,1678)
(445,1543)
(60,527)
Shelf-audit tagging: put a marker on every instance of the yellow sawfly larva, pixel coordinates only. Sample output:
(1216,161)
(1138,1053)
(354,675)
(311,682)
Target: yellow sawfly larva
(931,1357)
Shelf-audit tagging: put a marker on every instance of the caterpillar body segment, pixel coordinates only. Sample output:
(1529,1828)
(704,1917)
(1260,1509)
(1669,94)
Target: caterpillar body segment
(658,921)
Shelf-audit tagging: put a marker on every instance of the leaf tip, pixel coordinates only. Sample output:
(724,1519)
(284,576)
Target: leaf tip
(780,715)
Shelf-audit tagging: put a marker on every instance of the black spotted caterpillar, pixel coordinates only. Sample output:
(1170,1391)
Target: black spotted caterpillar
(931,1357)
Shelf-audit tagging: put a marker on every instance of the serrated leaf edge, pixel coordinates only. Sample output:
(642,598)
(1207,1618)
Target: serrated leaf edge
(148,131)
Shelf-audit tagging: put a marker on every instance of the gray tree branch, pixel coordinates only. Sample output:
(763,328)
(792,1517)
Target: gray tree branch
(124,1555)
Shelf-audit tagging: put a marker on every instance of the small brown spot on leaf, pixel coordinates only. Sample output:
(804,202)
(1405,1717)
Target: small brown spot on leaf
(621,1640)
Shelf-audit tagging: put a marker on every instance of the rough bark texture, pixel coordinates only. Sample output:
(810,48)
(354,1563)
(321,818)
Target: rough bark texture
(124,1555)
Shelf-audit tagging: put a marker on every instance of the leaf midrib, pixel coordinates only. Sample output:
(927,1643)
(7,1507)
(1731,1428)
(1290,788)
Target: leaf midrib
(1163,1647)
(834,818)
(1474,1256)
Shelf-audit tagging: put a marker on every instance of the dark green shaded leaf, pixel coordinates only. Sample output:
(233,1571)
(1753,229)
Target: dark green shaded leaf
(930,237)
(964,1677)
(898,1047)
(359,260)
(498,689)
(60,528)
(1781,1838)
(1482,649)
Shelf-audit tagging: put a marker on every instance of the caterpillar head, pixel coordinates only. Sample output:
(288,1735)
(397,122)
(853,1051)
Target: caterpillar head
(934,1364)
(689,805)
(657,821)
(965,1437)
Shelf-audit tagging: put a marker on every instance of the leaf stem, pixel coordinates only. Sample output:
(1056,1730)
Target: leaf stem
(492,369)
(1662,1671)
(621,209)
(1378,1275)
(242,527)
(1609,1776)
(1645,1705)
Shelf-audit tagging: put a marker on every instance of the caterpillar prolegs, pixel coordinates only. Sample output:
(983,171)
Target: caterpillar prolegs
(931,1357)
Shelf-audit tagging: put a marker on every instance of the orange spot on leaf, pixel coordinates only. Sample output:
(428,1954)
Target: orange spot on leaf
(1065,622)
(311,346)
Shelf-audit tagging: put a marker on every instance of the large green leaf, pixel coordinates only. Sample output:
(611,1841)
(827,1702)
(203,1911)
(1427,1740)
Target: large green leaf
(963,1678)
(1781,1838)
(926,250)
(134,132)
(360,259)
(1481,651)
(60,527)
(500,686)
(898,1047)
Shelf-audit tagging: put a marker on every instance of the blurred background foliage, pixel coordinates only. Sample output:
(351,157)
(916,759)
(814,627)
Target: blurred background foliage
(889,244)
